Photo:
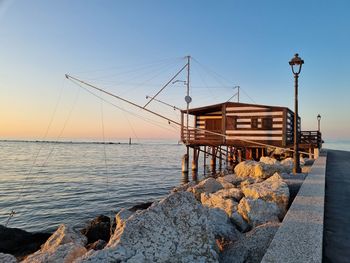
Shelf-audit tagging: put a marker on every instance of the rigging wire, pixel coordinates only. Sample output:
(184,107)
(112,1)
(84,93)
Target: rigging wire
(220,76)
(21,191)
(248,96)
(134,67)
(156,123)
(158,72)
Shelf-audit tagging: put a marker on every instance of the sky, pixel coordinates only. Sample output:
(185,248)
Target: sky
(132,48)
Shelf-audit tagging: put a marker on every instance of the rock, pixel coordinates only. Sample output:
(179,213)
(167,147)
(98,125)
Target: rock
(250,181)
(249,169)
(288,164)
(209,185)
(183,187)
(141,206)
(20,243)
(230,193)
(278,151)
(257,211)
(309,162)
(238,220)
(272,189)
(259,170)
(268,160)
(64,245)
(7,258)
(217,201)
(226,185)
(252,246)
(122,216)
(230,178)
(97,245)
(175,229)
(99,228)
(222,226)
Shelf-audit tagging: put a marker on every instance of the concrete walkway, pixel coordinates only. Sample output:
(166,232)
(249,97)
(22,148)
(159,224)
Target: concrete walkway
(336,236)
(299,238)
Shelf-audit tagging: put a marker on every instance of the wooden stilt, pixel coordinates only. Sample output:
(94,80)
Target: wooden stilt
(239,153)
(185,160)
(213,161)
(230,156)
(205,158)
(185,163)
(220,160)
(195,159)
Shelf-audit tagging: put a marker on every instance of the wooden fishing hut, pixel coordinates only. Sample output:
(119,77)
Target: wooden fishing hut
(234,131)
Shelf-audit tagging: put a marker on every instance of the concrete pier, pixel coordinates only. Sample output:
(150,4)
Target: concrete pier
(299,238)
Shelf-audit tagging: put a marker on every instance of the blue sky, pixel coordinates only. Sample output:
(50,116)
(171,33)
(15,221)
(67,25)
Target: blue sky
(249,43)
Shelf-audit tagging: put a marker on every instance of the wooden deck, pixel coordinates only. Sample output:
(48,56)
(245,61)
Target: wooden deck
(195,137)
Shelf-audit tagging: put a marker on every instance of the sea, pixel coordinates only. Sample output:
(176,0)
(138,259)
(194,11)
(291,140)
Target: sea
(44,184)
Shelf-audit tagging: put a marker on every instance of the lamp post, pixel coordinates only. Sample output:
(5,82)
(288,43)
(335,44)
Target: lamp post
(318,120)
(296,64)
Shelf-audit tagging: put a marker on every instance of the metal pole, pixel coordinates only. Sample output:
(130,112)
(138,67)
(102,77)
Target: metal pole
(318,124)
(188,94)
(296,168)
(238,93)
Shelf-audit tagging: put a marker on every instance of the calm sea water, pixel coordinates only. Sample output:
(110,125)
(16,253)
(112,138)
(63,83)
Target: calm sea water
(72,183)
(343,145)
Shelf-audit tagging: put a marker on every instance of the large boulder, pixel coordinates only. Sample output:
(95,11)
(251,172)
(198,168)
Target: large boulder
(273,189)
(97,229)
(184,187)
(209,185)
(7,258)
(258,169)
(125,213)
(176,229)
(230,193)
(218,201)
(97,245)
(230,179)
(65,245)
(288,162)
(122,216)
(239,222)
(252,247)
(20,243)
(268,160)
(221,225)
(287,165)
(257,211)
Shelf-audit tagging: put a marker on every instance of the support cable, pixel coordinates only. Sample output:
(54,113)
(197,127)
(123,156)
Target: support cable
(166,85)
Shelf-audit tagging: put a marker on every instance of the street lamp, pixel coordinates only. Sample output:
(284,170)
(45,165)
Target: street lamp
(318,120)
(296,64)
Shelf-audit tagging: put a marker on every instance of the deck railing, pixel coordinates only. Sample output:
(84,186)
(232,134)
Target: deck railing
(310,137)
(199,135)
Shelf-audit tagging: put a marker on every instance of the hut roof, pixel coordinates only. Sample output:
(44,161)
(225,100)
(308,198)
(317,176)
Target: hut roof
(218,107)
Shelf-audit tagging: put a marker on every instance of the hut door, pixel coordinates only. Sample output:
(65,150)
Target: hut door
(213,125)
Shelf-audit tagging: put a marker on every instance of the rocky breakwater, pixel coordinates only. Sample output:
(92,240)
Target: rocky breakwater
(232,218)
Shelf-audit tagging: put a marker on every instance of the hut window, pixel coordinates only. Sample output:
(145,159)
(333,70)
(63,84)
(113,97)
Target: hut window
(231,123)
(254,122)
(266,123)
